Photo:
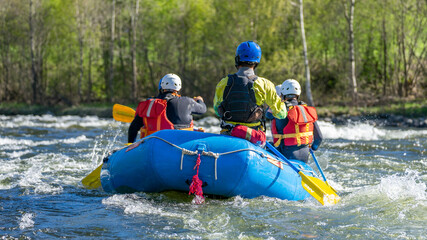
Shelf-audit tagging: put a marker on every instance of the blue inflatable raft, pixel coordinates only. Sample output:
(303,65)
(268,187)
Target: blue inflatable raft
(228,167)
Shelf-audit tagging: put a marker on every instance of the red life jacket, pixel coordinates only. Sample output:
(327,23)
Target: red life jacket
(153,113)
(252,135)
(299,130)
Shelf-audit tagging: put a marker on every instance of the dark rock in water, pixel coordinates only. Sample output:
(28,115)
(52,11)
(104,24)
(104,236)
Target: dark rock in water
(423,122)
(339,120)
(384,120)
(327,119)
(355,118)
(409,122)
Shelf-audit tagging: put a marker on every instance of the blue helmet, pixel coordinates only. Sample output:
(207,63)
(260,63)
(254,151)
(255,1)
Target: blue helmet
(248,51)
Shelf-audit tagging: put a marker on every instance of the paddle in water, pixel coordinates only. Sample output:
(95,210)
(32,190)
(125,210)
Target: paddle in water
(317,188)
(93,181)
(320,169)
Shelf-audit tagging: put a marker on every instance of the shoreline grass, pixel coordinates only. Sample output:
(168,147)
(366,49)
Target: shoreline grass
(413,109)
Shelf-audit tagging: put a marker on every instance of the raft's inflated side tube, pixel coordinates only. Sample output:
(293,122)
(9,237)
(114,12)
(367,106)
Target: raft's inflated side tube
(241,168)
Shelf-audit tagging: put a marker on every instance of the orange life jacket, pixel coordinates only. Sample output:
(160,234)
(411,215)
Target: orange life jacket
(153,113)
(299,130)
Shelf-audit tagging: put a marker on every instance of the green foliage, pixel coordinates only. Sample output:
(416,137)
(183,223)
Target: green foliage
(196,39)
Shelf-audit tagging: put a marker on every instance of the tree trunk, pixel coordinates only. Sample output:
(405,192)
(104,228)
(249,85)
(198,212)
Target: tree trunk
(89,76)
(121,59)
(35,81)
(150,68)
(80,39)
(352,73)
(384,38)
(6,63)
(111,65)
(402,39)
(307,68)
(134,21)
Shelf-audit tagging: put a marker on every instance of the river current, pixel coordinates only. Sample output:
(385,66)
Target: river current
(379,172)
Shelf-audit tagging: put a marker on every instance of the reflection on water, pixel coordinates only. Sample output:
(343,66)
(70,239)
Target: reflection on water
(379,173)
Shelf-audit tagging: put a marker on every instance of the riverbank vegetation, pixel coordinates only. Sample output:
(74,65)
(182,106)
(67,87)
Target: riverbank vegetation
(69,53)
(414,109)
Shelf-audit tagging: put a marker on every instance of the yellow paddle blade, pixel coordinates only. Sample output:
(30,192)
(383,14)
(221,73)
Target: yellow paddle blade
(93,181)
(123,113)
(320,190)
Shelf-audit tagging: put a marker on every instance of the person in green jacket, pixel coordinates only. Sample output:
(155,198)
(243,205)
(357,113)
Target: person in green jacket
(239,97)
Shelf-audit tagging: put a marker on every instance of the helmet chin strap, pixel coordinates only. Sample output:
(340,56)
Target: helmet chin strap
(291,96)
(168,91)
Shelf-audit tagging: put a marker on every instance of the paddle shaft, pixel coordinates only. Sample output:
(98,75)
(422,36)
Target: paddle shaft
(318,165)
(272,148)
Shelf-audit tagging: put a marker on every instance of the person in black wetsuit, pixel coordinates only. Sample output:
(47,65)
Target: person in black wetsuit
(299,130)
(168,110)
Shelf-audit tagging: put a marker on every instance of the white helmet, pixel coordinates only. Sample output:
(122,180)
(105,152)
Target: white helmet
(290,86)
(278,87)
(170,82)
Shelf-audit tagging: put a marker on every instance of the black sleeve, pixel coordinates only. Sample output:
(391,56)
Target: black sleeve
(198,107)
(318,137)
(268,114)
(134,127)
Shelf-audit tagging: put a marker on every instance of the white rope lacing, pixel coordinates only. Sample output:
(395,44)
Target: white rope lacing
(214,155)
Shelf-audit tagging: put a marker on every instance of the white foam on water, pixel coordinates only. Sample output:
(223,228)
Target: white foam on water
(208,121)
(364,131)
(26,221)
(22,143)
(43,173)
(16,142)
(50,121)
(195,219)
(240,202)
(209,124)
(18,154)
(409,185)
(396,187)
(133,204)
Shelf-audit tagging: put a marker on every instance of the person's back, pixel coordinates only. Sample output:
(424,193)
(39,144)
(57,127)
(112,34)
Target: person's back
(180,109)
(168,110)
(294,134)
(239,97)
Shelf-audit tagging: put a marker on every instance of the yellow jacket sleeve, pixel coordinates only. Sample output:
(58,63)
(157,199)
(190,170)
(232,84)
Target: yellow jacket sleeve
(265,92)
(219,94)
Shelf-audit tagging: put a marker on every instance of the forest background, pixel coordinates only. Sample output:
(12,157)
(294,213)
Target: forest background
(74,52)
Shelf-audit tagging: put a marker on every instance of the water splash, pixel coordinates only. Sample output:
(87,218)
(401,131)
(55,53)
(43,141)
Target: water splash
(134,204)
(50,121)
(364,131)
(26,221)
(397,187)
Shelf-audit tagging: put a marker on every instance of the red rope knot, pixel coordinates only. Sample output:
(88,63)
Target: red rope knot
(196,185)
(198,161)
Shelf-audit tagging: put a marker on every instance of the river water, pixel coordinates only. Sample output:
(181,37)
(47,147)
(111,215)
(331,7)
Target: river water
(380,173)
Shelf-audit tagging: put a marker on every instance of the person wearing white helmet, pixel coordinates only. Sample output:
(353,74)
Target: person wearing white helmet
(299,130)
(168,110)
(170,82)
(240,97)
